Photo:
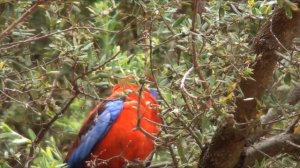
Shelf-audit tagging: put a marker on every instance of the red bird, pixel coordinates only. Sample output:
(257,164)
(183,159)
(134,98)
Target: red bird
(109,136)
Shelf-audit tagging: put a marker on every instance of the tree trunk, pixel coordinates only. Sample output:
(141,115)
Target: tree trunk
(226,149)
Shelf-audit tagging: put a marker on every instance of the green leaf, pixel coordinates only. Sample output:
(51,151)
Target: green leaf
(87,46)
(288,11)
(21,141)
(287,78)
(31,134)
(5,127)
(251,4)
(178,21)
(221,12)
(2,63)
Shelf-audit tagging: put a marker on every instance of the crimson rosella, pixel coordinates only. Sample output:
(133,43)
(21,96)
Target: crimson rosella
(109,136)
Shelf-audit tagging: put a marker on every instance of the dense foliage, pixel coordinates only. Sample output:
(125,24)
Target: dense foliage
(74,51)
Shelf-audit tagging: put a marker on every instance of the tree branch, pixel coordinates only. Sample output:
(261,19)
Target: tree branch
(45,128)
(39,37)
(29,11)
(227,147)
(273,146)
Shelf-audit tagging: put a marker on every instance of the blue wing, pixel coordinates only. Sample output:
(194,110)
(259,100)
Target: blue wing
(154,93)
(95,134)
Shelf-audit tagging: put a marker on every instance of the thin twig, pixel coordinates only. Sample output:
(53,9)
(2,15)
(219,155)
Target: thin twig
(174,160)
(182,87)
(29,69)
(165,22)
(29,11)
(194,54)
(139,116)
(35,38)
(138,112)
(26,105)
(161,165)
(277,40)
(190,109)
(163,125)
(189,129)
(268,156)
(45,128)
(293,144)
(152,68)
(291,127)
(209,101)
(270,122)
(99,66)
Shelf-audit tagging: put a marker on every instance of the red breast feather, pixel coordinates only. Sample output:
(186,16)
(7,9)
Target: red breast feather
(124,143)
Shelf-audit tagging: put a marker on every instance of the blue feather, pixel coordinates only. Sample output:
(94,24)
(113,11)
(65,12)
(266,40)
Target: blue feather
(154,93)
(103,123)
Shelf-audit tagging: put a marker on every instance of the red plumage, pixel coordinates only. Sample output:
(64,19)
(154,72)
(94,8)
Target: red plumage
(123,143)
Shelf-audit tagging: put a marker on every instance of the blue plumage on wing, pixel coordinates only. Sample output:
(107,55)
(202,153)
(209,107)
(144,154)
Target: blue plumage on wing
(154,93)
(96,133)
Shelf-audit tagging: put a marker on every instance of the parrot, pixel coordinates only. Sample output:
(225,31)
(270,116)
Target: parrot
(121,130)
